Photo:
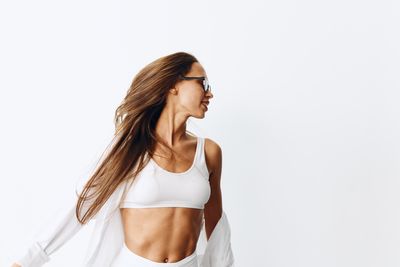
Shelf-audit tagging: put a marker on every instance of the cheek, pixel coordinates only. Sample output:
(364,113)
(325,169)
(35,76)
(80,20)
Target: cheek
(192,100)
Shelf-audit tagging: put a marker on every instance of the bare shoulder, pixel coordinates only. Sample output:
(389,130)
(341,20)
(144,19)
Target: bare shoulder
(213,155)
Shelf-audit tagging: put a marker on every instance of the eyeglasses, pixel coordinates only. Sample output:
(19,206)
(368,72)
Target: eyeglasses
(206,85)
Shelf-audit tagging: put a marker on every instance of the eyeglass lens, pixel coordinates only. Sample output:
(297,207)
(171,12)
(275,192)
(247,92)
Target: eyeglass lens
(206,86)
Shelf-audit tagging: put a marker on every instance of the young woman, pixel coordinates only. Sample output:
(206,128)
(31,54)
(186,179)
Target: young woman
(157,188)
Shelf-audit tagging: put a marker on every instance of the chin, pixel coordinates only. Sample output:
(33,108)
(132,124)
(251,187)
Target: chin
(201,115)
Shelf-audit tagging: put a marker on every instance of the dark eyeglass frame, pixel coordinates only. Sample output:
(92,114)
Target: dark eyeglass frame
(206,85)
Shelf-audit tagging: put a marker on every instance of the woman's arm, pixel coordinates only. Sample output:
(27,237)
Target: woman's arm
(62,228)
(218,250)
(213,208)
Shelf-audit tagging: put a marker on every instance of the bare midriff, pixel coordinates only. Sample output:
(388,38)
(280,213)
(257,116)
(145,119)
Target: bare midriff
(165,234)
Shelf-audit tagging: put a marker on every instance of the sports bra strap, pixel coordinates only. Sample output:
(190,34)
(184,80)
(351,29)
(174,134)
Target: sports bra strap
(198,149)
(200,157)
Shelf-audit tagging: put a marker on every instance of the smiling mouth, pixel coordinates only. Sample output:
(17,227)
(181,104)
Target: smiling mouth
(204,105)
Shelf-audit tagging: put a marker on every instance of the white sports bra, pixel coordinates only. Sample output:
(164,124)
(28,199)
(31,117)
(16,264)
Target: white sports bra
(157,187)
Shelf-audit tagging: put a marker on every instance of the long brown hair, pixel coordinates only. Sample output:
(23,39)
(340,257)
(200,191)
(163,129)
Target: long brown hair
(135,121)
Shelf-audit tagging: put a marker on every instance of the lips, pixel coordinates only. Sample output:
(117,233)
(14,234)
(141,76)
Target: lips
(205,104)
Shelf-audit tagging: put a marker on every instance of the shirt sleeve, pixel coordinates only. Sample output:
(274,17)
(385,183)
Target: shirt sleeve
(62,228)
(218,251)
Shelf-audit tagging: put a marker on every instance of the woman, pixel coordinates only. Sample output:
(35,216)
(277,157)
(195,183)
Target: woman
(157,188)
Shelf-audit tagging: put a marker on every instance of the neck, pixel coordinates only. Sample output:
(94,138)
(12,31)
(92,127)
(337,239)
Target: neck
(171,126)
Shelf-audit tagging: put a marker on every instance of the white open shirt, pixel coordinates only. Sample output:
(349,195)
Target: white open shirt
(108,237)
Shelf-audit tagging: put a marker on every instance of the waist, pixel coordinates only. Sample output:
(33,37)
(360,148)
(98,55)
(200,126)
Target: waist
(127,257)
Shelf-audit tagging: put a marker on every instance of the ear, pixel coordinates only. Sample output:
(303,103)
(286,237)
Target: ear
(173,91)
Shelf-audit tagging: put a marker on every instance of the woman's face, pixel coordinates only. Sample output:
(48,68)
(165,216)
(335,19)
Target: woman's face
(190,97)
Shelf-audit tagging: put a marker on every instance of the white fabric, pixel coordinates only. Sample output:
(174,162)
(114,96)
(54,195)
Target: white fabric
(108,237)
(157,187)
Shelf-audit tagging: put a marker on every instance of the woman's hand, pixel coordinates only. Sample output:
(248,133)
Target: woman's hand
(15,265)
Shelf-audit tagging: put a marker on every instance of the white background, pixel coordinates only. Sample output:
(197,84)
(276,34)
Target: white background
(305,108)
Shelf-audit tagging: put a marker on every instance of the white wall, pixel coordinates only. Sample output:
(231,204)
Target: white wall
(305,109)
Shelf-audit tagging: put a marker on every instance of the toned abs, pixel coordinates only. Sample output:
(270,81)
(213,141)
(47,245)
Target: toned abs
(169,234)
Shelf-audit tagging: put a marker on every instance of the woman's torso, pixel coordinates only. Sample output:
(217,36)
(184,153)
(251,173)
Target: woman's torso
(163,210)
